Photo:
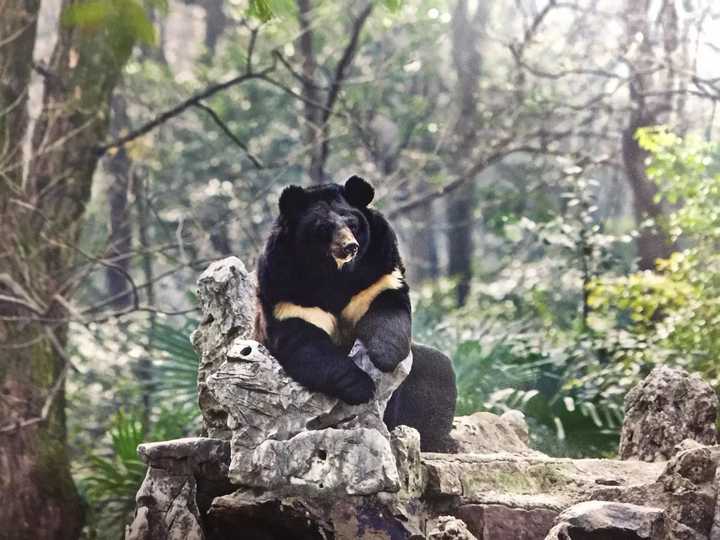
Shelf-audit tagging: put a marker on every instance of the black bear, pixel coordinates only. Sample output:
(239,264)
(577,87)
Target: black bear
(331,272)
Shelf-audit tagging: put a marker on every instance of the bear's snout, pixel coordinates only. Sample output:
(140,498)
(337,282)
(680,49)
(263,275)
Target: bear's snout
(350,249)
(344,247)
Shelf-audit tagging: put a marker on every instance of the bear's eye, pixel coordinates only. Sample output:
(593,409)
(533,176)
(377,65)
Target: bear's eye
(354,226)
(323,230)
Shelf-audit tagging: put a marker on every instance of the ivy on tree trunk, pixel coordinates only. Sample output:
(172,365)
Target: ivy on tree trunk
(42,214)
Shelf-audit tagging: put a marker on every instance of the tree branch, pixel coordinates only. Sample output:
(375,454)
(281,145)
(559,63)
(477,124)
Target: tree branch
(225,129)
(345,61)
(181,107)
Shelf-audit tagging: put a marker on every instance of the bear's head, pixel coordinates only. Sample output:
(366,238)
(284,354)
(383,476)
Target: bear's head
(326,223)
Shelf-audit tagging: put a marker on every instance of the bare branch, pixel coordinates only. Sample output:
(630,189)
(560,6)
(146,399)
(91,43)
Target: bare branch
(218,121)
(180,108)
(345,61)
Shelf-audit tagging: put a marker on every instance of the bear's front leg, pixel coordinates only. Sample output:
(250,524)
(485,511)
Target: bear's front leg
(386,329)
(310,357)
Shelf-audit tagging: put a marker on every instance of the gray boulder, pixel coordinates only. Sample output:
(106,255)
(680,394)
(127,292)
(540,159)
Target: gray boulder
(182,479)
(279,430)
(666,408)
(601,520)
(485,433)
(226,291)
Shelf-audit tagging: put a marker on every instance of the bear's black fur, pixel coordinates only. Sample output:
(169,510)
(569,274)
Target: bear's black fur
(331,272)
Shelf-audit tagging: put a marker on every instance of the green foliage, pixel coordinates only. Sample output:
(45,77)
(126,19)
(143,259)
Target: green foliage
(108,468)
(176,364)
(112,475)
(392,5)
(642,296)
(115,476)
(123,22)
(523,341)
(565,419)
(265,10)
(672,314)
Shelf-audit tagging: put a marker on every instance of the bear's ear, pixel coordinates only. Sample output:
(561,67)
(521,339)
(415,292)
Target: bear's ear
(292,201)
(358,191)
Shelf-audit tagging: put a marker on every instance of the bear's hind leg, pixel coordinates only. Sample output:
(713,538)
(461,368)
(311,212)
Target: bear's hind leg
(426,400)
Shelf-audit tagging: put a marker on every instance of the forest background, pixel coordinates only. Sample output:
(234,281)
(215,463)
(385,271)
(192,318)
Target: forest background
(550,168)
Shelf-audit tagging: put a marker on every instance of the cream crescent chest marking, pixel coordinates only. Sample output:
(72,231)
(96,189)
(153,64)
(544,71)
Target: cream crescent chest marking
(360,303)
(351,313)
(320,318)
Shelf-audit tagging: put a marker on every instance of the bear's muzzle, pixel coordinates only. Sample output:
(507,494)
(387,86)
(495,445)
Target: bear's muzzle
(344,247)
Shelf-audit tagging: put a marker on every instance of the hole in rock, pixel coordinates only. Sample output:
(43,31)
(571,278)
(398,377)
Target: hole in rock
(322,454)
(268,521)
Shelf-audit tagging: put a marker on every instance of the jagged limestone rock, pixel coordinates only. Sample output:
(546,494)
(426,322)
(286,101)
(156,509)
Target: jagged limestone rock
(715,528)
(183,477)
(324,462)
(516,420)
(243,389)
(226,291)
(405,442)
(668,406)
(603,520)
(685,489)
(260,401)
(278,425)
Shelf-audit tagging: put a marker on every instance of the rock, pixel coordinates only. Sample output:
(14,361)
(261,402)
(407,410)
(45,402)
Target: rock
(260,401)
(226,291)
(685,489)
(166,508)
(450,528)
(277,425)
(183,477)
(688,482)
(715,527)
(516,420)
(245,514)
(484,433)
(244,390)
(530,481)
(405,442)
(667,407)
(500,522)
(321,463)
(601,520)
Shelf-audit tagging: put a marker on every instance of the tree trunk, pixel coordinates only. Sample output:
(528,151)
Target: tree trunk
(42,215)
(120,166)
(145,366)
(310,93)
(652,243)
(424,263)
(461,246)
(39,498)
(651,98)
(461,204)
(215,23)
